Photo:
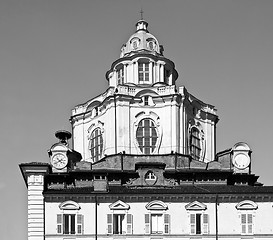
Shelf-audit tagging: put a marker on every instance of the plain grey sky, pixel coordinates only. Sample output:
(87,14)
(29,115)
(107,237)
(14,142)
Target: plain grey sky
(54,55)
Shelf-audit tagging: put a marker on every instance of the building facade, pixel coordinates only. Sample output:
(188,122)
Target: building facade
(143,164)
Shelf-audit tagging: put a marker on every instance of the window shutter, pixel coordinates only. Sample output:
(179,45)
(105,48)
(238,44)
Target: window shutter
(109,223)
(59,223)
(166,223)
(192,223)
(205,223)
(243,223)
(250,223)
(147,223)
(129,224)
(80,223)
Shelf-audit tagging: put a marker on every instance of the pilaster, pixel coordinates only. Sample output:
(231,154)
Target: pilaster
(33,174)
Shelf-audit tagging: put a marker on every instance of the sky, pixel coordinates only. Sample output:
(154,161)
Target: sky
(54,55)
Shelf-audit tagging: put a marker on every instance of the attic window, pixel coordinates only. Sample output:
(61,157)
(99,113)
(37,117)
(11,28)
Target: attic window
(99,177)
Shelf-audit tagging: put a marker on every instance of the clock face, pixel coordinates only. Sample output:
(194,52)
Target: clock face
(241,161)
(59,160)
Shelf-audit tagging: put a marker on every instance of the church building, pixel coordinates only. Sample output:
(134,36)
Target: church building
(140,163)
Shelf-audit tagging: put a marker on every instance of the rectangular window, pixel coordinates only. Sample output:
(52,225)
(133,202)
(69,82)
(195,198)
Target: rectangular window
(119,223)
(247,223)
(157,223)
(199,223)
(120,76)
(67,224)
(143,72)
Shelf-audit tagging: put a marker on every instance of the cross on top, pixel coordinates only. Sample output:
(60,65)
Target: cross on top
(141,14)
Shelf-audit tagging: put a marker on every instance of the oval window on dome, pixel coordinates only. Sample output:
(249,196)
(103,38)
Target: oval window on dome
(135,43)
(151,45)
(147,135)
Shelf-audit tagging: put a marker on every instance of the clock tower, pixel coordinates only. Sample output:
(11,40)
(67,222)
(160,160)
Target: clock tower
(61,156)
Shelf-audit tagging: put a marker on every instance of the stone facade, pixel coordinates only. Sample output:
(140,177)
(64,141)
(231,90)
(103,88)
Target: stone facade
(143,164)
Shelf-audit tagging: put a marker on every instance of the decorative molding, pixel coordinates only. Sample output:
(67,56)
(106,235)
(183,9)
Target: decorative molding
(246,205)
(69,205)
(196,206)
(156,205)
(119,205)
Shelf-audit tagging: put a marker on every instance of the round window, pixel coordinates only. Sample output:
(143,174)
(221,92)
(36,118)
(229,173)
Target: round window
(150,178)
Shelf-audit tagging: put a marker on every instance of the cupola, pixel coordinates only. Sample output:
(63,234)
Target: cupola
(141,61)
(141,41)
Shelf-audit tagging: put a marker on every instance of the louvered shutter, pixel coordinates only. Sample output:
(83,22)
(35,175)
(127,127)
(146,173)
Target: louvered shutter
(109,223)
(80,223)
(192,223)
(129,224)
(167,223)
(147,223)
(243,223)
(250,223)
(205,223)
(59,223)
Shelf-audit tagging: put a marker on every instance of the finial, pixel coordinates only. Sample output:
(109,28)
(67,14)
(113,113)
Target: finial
(63,136)
(141,14)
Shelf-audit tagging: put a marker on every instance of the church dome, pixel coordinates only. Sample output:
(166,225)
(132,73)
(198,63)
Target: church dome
(141,42)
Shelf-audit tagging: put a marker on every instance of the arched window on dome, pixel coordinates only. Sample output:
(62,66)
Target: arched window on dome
(96,144)
(147,135)
(143,72)
(195,144)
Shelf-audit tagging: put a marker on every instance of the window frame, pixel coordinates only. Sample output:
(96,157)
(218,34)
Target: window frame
(157,208)
(101,147)
(162,222)
(200,138)
(96,144)
(195,143)
(198,226)
(247,208)
(70,221)
(120,220)
(147,136)
(118,209)
(155,118)
(120,75)
(143,72)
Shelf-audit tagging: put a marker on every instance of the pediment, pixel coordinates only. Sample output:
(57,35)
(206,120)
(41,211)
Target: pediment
(156,205)
(119,205)
(247,205)
(196,206)
(69,205)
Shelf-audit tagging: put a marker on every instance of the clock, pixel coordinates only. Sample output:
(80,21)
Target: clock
(59,160)
(241,161)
